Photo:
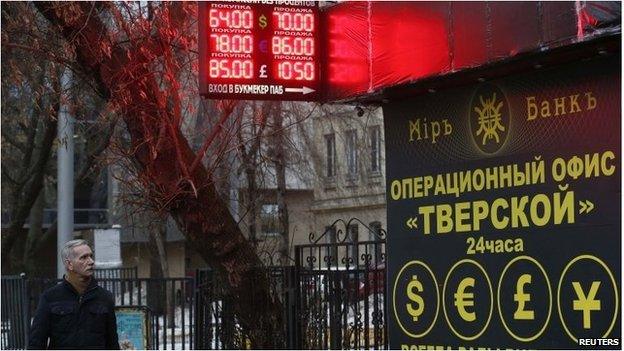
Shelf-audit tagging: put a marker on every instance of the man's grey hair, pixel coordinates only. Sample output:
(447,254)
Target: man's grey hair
(67,251)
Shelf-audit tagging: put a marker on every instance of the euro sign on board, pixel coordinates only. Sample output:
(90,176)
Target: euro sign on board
(522,298)
(464,299)
(416,307)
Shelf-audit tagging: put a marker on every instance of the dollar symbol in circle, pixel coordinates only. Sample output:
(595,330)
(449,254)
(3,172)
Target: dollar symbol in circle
(262,20)
(415,311)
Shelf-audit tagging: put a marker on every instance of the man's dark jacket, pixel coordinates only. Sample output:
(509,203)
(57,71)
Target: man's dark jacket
(74,321)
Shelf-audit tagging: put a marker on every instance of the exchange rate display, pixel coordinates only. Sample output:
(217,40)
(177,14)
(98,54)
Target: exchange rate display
(258,51)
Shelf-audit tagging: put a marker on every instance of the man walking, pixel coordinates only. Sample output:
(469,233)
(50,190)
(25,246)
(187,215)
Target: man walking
(76,313)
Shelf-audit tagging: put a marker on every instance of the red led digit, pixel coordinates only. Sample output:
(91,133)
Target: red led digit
(230,18)
(227,68)
(299,22)
(228,43)
(295,70)
(285,45)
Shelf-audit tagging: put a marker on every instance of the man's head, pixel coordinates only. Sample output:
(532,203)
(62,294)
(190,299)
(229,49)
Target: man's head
(78,258)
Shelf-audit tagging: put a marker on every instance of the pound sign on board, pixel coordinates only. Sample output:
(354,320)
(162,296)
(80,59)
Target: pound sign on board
(263,71)
(522,298)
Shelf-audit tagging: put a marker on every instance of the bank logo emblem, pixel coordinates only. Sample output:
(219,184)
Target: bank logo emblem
(489,118)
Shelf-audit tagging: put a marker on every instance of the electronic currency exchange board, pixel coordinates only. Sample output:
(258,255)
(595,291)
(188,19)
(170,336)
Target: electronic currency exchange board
(260,50)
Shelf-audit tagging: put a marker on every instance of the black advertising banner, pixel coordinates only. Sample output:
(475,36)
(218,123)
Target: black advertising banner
(504,216)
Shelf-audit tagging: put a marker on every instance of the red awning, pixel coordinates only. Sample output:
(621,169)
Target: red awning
(373,46)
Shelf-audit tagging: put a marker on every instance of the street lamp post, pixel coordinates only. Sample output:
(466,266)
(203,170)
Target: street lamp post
(65,172)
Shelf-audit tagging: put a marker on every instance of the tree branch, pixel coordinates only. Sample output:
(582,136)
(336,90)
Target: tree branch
(28,197)
(8,137)
(203,217)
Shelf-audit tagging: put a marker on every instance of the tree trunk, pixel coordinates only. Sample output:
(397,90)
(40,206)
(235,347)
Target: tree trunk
(34,233)
(279,161)
(189,195)
(252,202)
(31,188)
(159,268)
(157,248)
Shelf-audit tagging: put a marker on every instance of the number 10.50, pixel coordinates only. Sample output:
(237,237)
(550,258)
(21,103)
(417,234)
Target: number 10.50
(295,70)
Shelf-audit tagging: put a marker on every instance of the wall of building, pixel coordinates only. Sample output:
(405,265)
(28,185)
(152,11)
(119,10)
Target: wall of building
(300,223)
(347,195)
(138,255)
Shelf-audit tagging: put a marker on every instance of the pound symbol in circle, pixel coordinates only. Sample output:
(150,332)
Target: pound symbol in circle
(522,298)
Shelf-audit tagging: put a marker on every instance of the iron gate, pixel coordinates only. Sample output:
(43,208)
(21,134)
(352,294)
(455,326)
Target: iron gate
(341,290)
(332,298)
(217,326)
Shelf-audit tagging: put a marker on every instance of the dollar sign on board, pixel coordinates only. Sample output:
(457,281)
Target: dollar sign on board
(262,20)
(415,311)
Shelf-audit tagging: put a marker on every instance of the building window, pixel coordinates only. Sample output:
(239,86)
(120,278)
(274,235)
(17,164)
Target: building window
(375,149)
(332,247)
(269,220)
(353,248)
(330,144)
(352,155)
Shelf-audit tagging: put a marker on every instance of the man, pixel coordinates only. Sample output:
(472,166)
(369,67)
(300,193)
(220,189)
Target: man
(76,313)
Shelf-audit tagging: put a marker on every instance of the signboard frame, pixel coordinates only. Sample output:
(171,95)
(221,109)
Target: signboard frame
(442,261)
(132,316)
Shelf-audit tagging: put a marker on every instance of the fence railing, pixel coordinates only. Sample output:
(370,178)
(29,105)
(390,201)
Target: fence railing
(217,326)
(123,272)
(170,301)
(14,311)
(334,297)
(341,296)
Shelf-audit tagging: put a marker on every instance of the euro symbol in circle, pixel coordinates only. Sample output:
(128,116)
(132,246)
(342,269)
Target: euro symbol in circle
(263,45)
(262,21)
(464,299)
(522,298)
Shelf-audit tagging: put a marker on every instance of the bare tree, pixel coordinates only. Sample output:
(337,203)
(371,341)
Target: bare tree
(33,57)
(131,60)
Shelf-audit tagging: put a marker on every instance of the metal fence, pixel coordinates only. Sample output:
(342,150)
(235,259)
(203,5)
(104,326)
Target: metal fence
(341,291)
(14,311)
(170,302)
(334,297)
(217,326)
(123,272)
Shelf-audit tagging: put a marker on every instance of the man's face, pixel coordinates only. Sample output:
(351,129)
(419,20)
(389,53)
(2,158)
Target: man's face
(81,261)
